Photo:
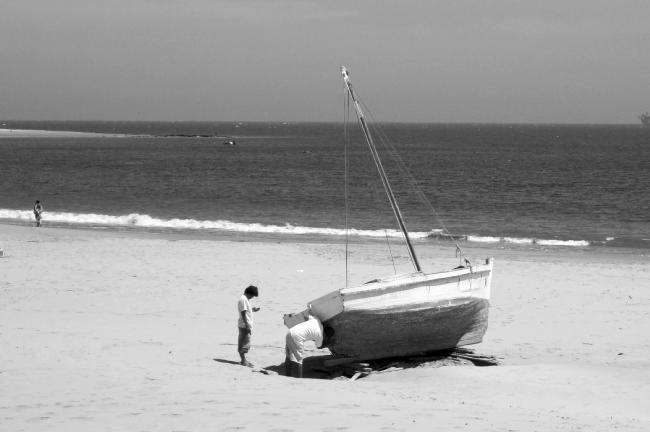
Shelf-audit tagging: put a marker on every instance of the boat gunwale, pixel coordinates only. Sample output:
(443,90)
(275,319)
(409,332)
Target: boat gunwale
(478,271)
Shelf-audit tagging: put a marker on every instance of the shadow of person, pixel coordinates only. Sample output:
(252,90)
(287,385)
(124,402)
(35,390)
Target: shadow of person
(226,361)
(273,369)
(278,369)
(312,367)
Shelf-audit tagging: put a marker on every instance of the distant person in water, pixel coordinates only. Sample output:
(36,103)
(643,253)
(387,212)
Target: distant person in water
(245,323)
(38,211)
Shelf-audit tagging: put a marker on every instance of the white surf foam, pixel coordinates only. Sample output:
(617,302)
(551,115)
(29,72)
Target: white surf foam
(529,241)
(483,239)
(146,221)
(577,243)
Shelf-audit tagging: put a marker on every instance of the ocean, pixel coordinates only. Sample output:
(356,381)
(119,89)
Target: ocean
(539,186)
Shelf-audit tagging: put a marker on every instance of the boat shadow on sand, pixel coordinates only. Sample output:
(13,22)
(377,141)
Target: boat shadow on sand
(332,367)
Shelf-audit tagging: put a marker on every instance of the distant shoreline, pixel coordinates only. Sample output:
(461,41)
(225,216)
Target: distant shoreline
(38,133)
(43,133)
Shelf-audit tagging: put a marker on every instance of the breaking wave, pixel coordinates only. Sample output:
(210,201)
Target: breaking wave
(145,221)
(528,241)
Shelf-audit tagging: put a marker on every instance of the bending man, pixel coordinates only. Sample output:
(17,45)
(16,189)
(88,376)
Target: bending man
(310,330)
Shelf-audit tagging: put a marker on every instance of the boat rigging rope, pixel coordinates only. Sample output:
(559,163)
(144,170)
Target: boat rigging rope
(392,151)
(346,137)
(391,253)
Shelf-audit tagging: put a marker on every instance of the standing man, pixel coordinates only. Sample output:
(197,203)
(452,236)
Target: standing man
(245,322)
(310,330)
(38,210)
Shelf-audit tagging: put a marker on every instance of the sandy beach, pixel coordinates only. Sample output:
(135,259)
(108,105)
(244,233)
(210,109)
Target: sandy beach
(106,330)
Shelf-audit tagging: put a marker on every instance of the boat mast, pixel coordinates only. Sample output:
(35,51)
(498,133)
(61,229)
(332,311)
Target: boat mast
(380,167)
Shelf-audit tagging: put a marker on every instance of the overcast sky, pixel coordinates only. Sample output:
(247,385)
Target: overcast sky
(551,61)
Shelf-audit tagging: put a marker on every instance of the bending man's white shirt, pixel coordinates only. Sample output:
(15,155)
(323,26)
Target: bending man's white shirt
(310,330)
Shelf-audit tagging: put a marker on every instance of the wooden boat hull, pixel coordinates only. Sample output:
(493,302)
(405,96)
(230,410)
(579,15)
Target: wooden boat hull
(371,335)
(407,314)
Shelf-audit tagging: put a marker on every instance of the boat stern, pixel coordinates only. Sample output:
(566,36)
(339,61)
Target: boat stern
(323,308)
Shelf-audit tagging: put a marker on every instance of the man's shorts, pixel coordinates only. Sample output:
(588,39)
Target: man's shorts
(243,341)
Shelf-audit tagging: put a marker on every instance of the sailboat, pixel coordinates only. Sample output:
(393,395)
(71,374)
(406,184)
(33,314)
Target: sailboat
(407,314)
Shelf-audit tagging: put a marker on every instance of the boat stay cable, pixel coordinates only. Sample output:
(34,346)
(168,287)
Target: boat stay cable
(395,155)
(392,258)
(346,139)
(380,168)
